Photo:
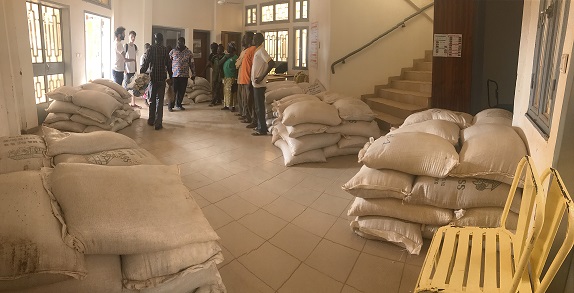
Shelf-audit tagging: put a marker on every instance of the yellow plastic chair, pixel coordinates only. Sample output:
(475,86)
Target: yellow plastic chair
(474,259)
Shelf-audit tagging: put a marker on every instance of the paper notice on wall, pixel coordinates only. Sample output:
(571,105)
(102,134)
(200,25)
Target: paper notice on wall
(315,88)
(447,45)
(314,45)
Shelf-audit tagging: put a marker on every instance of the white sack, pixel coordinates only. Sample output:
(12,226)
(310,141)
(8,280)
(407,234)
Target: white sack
(486,217)
(335,151)
(55,117)
(22,153)
(445,129)
(116,87)
(70,126)
(305,129)
(62,107)
(352,142)
(307,143)
(87,121)
(203,98)
(63,93)
(121,157)
(463,120)
(84,143)
(401,233)
(354,109)
(373,183)
(330,97)
(494,116)
(359,128)
(311,112)
(104,89)
(96,101)
(306,157)
(280,93)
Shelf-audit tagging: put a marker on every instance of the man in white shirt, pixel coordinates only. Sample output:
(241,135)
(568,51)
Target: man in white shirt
(262,64)
(119,56)
(131,51)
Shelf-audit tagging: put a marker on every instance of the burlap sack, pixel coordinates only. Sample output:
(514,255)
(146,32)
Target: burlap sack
(198,82)
(32,251)
(62,107)
(373,183)
(311,112)
(395,208)
(102,214)
(280,106)
(70,126)
(152,269)
(55,117)
(133,115)
(22,153)
(121,157)
(490,151)
(335,151)
(193,95)
(58,143)
(280,93)
(494,116)
(330,97)
(93,129)
(89,122)
(306,157)
(103,89)
(401,233)
(354,109)
(97,101)
(485,217)
(445,129)
(94,115)
(116,87)
(307,143)
(63,93)
(119,125)
(428,231)
(352,142)
(413,153)
(359,128)
(280,84)
(461,193)
(305,129)
(202,98)
(203,278)
(463,120)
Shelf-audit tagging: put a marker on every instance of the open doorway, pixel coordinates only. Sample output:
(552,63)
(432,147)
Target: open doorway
(98,46)
(200,51)
(170,35)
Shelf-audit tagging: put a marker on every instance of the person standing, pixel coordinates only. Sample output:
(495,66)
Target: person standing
(262,64)
(217,74)
(146,48)
(131,66)
(157,58)
(244,81)
(181,63)
(240,98)
(119,56)
(229,77)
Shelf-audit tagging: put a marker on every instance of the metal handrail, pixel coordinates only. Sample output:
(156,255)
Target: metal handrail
(400,24)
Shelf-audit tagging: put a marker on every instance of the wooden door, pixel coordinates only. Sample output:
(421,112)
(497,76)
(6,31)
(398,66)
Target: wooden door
(200,51)
(227,37)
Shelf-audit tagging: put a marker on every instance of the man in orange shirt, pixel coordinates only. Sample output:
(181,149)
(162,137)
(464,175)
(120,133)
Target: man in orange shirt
(244,81)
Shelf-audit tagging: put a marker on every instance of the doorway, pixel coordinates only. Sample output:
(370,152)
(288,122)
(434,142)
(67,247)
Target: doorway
(170,35)
(98,46)
(200,51)
(228,37)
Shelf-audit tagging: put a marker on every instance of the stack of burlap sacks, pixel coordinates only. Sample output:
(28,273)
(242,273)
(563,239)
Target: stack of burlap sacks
(101,220)
(95,106)
(198,91)
(439,167)
(312,128)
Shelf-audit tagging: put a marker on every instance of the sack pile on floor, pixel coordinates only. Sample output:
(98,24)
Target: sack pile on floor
(88,226)
(198,91)
(439,167)
(310,128)
(138,84)
(95,106)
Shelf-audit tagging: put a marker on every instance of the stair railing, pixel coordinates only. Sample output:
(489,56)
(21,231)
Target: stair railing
(400,24)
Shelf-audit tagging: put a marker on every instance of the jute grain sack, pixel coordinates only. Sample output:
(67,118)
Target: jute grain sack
(151,269)
(428,231)
(401,233)
(97,101)
(411,152)
(103,89)
(198,92)
(494,116)
(311,112)
(133,115)
(33,253)
(280,93)
(461,193)
(84,143)
(463,120)
(490,151)
(306,157)
(94,115)
(330,97)
(395,208)
(280,106)
(335,151)
(204,278)
(445,129)
(359,128)
(121,157)
(101,214)
(70,126)
(305,129)
(22,153)
(486,217)
(119,125)
(352,141)
(354,109)
(116,87)
(55,117)
(93,129)
(198,82)
(63,93)
(121,113)
(202,98)
(280,84)
(307,143)
(105,276)
(62,107)
(373,183)
(89,122)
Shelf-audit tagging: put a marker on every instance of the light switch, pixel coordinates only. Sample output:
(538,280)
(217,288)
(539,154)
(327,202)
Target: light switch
(564,63)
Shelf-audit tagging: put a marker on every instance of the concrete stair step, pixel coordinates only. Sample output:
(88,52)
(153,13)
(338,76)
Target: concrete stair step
(423,66)
(386,121)
(412,85)
(394,108)
(417,75)
(406,96)
(428,55)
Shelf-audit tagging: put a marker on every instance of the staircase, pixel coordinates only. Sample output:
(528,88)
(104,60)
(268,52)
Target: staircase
(403,95)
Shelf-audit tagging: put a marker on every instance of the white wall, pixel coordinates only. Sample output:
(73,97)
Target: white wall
(320,13)
(543,151)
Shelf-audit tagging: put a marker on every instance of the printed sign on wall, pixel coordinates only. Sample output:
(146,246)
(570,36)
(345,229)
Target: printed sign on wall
(447,45)
(314,44)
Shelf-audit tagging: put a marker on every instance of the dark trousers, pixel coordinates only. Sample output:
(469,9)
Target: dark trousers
(179,87)
(157,93)
(248,105)
(217,92)
(239,100)
(259,101)
(118,77)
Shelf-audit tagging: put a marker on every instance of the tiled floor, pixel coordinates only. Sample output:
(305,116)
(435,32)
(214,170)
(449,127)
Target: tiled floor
(282,229)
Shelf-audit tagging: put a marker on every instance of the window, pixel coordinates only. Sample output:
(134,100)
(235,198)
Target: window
(547,54)
(276,12)
(251,15)
(301,10)
(277,44)
(45,33)
(301,42)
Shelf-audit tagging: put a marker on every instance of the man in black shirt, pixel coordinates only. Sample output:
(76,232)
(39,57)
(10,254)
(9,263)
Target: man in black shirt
(157,59)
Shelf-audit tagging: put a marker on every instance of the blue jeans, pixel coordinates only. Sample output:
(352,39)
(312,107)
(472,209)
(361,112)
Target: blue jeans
(157,93)
(259,99)
(118,77)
